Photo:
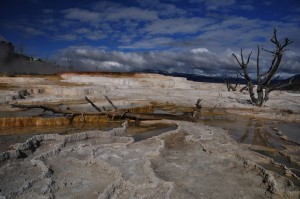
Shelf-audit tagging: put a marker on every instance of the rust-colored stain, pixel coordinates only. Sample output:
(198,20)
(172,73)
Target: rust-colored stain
(51,121)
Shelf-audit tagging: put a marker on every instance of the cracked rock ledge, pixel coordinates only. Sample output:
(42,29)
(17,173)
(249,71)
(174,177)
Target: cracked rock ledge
(193,161)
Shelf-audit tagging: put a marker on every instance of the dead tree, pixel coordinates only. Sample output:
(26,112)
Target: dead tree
(244,88)
(230,86)
(114,114)
(264,79)
(70,61)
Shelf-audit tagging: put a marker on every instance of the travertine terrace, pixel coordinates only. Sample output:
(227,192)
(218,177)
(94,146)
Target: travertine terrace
(128,89)
(192,161)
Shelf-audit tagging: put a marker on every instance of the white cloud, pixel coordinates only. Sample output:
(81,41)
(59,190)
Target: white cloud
(83,30)
(109,11)
(225,6)
(67,37)
(47,21)
(102,6)
(178,25)
(163,9)
(215,4)
(82,15)
(33,32)
(89,34)
(246,7)
(111,64)
(197,60)
(152,27)
(131,13)
(88,58)
(199,50)
(149,43)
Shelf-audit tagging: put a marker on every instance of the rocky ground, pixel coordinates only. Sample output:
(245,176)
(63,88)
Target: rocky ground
(192,161)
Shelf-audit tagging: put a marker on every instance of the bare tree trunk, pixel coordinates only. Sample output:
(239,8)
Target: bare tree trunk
(263,79)
(244,88)
(231,87)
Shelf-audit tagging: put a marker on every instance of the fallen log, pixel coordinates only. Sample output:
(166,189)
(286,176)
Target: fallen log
(116,115)
(115,108)
(93,105)
(45,108)
(152,116)
(146,116)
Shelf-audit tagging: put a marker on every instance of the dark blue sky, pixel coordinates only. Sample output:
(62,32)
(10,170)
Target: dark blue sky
(193,36)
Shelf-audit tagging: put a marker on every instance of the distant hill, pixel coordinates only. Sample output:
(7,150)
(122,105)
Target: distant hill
(295,83)
(198,78)
(16,63)
(295,86)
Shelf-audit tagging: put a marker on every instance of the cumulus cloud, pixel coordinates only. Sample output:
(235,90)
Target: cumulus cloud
(224,6)
(216,4)
(132,13)
(163,9)
(178,25)
(67,37)
(108,11)
(88,58)
(149,43)
(82,15)
(197,37)
(199,50)
(198,60)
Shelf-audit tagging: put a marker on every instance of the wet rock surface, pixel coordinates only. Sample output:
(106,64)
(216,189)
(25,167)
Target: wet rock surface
(192,161)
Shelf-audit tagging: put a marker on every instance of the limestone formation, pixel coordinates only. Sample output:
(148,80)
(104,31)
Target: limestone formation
(190,162)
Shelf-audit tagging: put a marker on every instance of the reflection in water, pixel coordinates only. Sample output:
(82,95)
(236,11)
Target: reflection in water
(248,130)
(151,131)
(12,135)
(264,134)
(243,129)
(244,136)
(262,138)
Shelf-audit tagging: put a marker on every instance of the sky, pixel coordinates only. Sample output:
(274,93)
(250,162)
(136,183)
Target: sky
(184,36)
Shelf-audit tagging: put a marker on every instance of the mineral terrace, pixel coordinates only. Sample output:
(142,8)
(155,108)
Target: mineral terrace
(191,160)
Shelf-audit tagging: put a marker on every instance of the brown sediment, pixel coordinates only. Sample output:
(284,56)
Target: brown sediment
(51,121)
(6,86)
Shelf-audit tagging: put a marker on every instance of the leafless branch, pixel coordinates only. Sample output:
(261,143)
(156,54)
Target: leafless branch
(263,79)
(237,60)
(96,107)
(272,52)
(115,108)
(249,57)
(198,105)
